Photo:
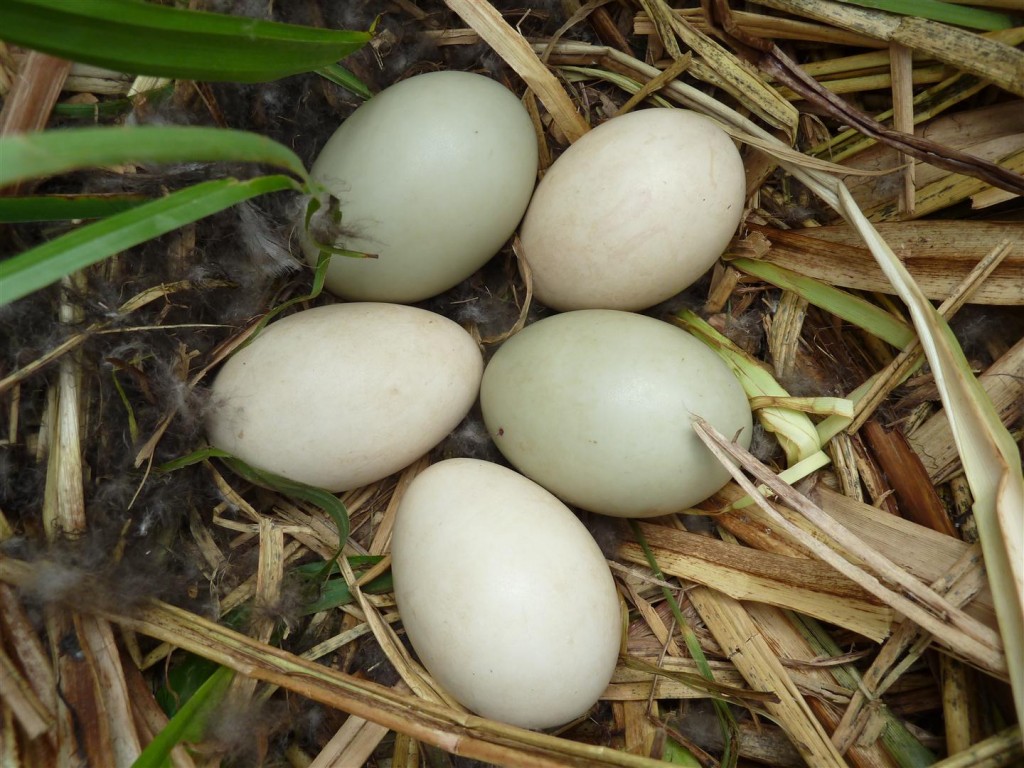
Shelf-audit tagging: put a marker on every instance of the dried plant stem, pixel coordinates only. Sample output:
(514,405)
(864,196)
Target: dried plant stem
(772,27)
(911,357)
(984,57)
(746,647)
(960,632)
(431,723)
(36,88)
(352,744)
(940,255)
(957,703)
(803,585)
(737,76)
(1003,382)
(487,22)
(905,646)
(902,69)
(787,634)
(1006,748)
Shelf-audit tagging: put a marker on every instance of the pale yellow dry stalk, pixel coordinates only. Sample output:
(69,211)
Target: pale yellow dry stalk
(985,57)
(431,723)
(963,634)
(487,22)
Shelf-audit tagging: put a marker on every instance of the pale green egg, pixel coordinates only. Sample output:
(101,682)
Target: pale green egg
(433,174)
(596,406)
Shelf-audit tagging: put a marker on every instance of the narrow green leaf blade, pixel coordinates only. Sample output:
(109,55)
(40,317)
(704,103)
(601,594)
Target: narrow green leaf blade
(338,75)
(851,308)
(189,722)
(150,39)
(65,207)
(962,16)
(320,497)
(38,155)
(47,263)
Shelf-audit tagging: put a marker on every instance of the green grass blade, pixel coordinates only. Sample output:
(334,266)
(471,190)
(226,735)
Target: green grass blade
(150,39)
(47,263)
(845,305)
(961,16)
(336,592)
(730,732)
(38,155)
(189,722)
(794,429)
(905,748)
(324,499)
(65,207)
(111,108)
(338,75)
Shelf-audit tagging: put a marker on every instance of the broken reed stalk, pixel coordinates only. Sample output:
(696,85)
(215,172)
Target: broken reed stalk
(988,452)
(911,357)
(516,52)
(981,56)
(744,645)
(906,645)
(436,724)
(960,632)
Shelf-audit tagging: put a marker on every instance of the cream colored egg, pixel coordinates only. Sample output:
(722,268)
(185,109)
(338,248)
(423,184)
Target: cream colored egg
(344,395)
(634,212)
(433,175)
(504,594)
(596,405)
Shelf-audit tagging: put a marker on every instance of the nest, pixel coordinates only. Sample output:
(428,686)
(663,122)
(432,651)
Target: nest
(151,596)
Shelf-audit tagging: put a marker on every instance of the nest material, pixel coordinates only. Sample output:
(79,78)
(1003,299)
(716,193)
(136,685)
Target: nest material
(129,579)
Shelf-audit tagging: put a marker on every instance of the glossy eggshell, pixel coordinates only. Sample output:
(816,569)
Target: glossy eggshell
(595,405)
(634,212)
(504,594)
(433,175)
(344,395)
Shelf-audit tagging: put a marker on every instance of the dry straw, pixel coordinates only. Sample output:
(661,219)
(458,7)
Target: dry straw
(780,552)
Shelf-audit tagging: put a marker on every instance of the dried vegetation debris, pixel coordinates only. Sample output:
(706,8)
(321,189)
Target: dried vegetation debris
(102,383)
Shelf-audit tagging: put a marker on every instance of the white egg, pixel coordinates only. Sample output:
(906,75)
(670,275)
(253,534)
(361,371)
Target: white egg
(344,395)
(634,212)
(433,175)
(504,594)
(596,405)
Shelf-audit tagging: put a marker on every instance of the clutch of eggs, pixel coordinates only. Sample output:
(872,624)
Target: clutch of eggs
(344,395)
(433,174)
(595,405)
(634,212)
(504,594)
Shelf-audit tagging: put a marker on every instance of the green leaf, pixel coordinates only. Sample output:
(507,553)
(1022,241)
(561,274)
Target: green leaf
(726,720)
(189,723)
(65,207)
(47,263)
(109,108)
(359,563)
(38,155)
(336,592)
(975,18)
(150,39)
(338,75)
(845,305)
(319,497)
(182,681)
(677,754)
(196,457)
